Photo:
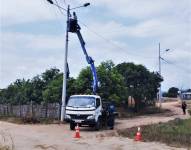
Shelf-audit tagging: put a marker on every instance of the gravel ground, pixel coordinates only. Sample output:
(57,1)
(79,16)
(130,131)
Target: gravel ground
(59,137)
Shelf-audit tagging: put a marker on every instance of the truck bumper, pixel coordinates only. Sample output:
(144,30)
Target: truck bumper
(84,122)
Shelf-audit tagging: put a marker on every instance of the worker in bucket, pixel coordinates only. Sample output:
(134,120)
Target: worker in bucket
(111,115)
(184,105)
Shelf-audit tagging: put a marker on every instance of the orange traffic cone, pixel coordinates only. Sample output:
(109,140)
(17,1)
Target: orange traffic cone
(138,136)
(77,132)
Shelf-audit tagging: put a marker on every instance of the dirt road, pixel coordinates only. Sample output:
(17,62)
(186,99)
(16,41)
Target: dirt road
(59,137)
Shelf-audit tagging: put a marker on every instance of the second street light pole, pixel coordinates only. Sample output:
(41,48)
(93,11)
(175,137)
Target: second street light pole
(159,95)
(160,58)
(63,108)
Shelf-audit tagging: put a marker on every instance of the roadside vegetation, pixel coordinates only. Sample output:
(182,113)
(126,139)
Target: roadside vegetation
(174,133)
(117,82)
(4,147)
(189,108)
(172,92)
(189,111)
(151,110)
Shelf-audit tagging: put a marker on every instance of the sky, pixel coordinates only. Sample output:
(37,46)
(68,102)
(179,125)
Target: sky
(32,37)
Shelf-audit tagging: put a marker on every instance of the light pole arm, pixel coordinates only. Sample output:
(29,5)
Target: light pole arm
(51,2)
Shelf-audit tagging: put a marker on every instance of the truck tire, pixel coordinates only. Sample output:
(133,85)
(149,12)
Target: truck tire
(72,126)
(98,124)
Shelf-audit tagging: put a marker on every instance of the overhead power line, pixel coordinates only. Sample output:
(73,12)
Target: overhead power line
(108,41)
(173,64)
(59,7)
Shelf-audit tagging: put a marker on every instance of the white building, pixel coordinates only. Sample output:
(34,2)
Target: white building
(185,95)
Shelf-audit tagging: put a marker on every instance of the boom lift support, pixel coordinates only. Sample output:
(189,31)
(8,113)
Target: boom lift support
(73,27)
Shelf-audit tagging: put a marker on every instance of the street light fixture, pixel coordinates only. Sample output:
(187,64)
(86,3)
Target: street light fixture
(85,5)
(50,1)
(63,108)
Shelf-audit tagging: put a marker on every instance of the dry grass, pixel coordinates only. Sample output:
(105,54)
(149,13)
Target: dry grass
(6,141)
(189,106)
(45,147)
(28,120)
(4,148)
(129,112)
(174,133)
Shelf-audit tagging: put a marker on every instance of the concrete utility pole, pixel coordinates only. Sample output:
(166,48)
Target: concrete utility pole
(65,72)
(159,94)
(160,58)
(65,69)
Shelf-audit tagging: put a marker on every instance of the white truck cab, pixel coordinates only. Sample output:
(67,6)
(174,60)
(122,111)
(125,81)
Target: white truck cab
(84,110)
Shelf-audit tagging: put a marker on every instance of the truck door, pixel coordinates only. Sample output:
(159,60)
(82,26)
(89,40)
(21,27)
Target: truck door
(98,108)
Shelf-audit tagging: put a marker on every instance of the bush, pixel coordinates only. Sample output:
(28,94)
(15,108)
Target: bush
(189,111)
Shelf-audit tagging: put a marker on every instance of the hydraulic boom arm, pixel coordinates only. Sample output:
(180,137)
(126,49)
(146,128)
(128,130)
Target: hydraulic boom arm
(75,28)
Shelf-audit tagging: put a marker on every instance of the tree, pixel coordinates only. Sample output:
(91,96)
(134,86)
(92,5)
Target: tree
(112,85)
(2,96)
(37,86)
(140,83)
(110,81)
(19,92)
(71,87)
(84,81)
(53,91)
(49,75)
(172,92)
(115,83)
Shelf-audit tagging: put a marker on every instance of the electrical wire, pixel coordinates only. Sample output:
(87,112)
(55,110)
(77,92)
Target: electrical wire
(65,3)
(105,39)
(112,43)
(61,11)
(171,63)
(117,46)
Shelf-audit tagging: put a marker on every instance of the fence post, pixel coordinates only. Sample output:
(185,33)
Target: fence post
(46,109)
(31,108)
(20,109)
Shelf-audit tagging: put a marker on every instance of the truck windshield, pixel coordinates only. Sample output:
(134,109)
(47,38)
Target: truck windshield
(81,102)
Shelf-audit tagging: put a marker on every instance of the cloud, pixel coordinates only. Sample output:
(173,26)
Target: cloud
(144,8)
(125,30)
(20,11)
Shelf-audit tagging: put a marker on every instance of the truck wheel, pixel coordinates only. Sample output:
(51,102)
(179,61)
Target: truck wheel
(72,126)
(98,124)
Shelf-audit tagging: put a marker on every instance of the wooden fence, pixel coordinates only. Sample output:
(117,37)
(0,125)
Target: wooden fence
(32,110)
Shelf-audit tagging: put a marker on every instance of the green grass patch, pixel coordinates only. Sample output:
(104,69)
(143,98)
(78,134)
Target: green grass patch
(189,111)
(174,133)
(130,113)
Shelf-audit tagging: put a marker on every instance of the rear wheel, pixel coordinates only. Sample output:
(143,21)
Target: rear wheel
(72,126)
